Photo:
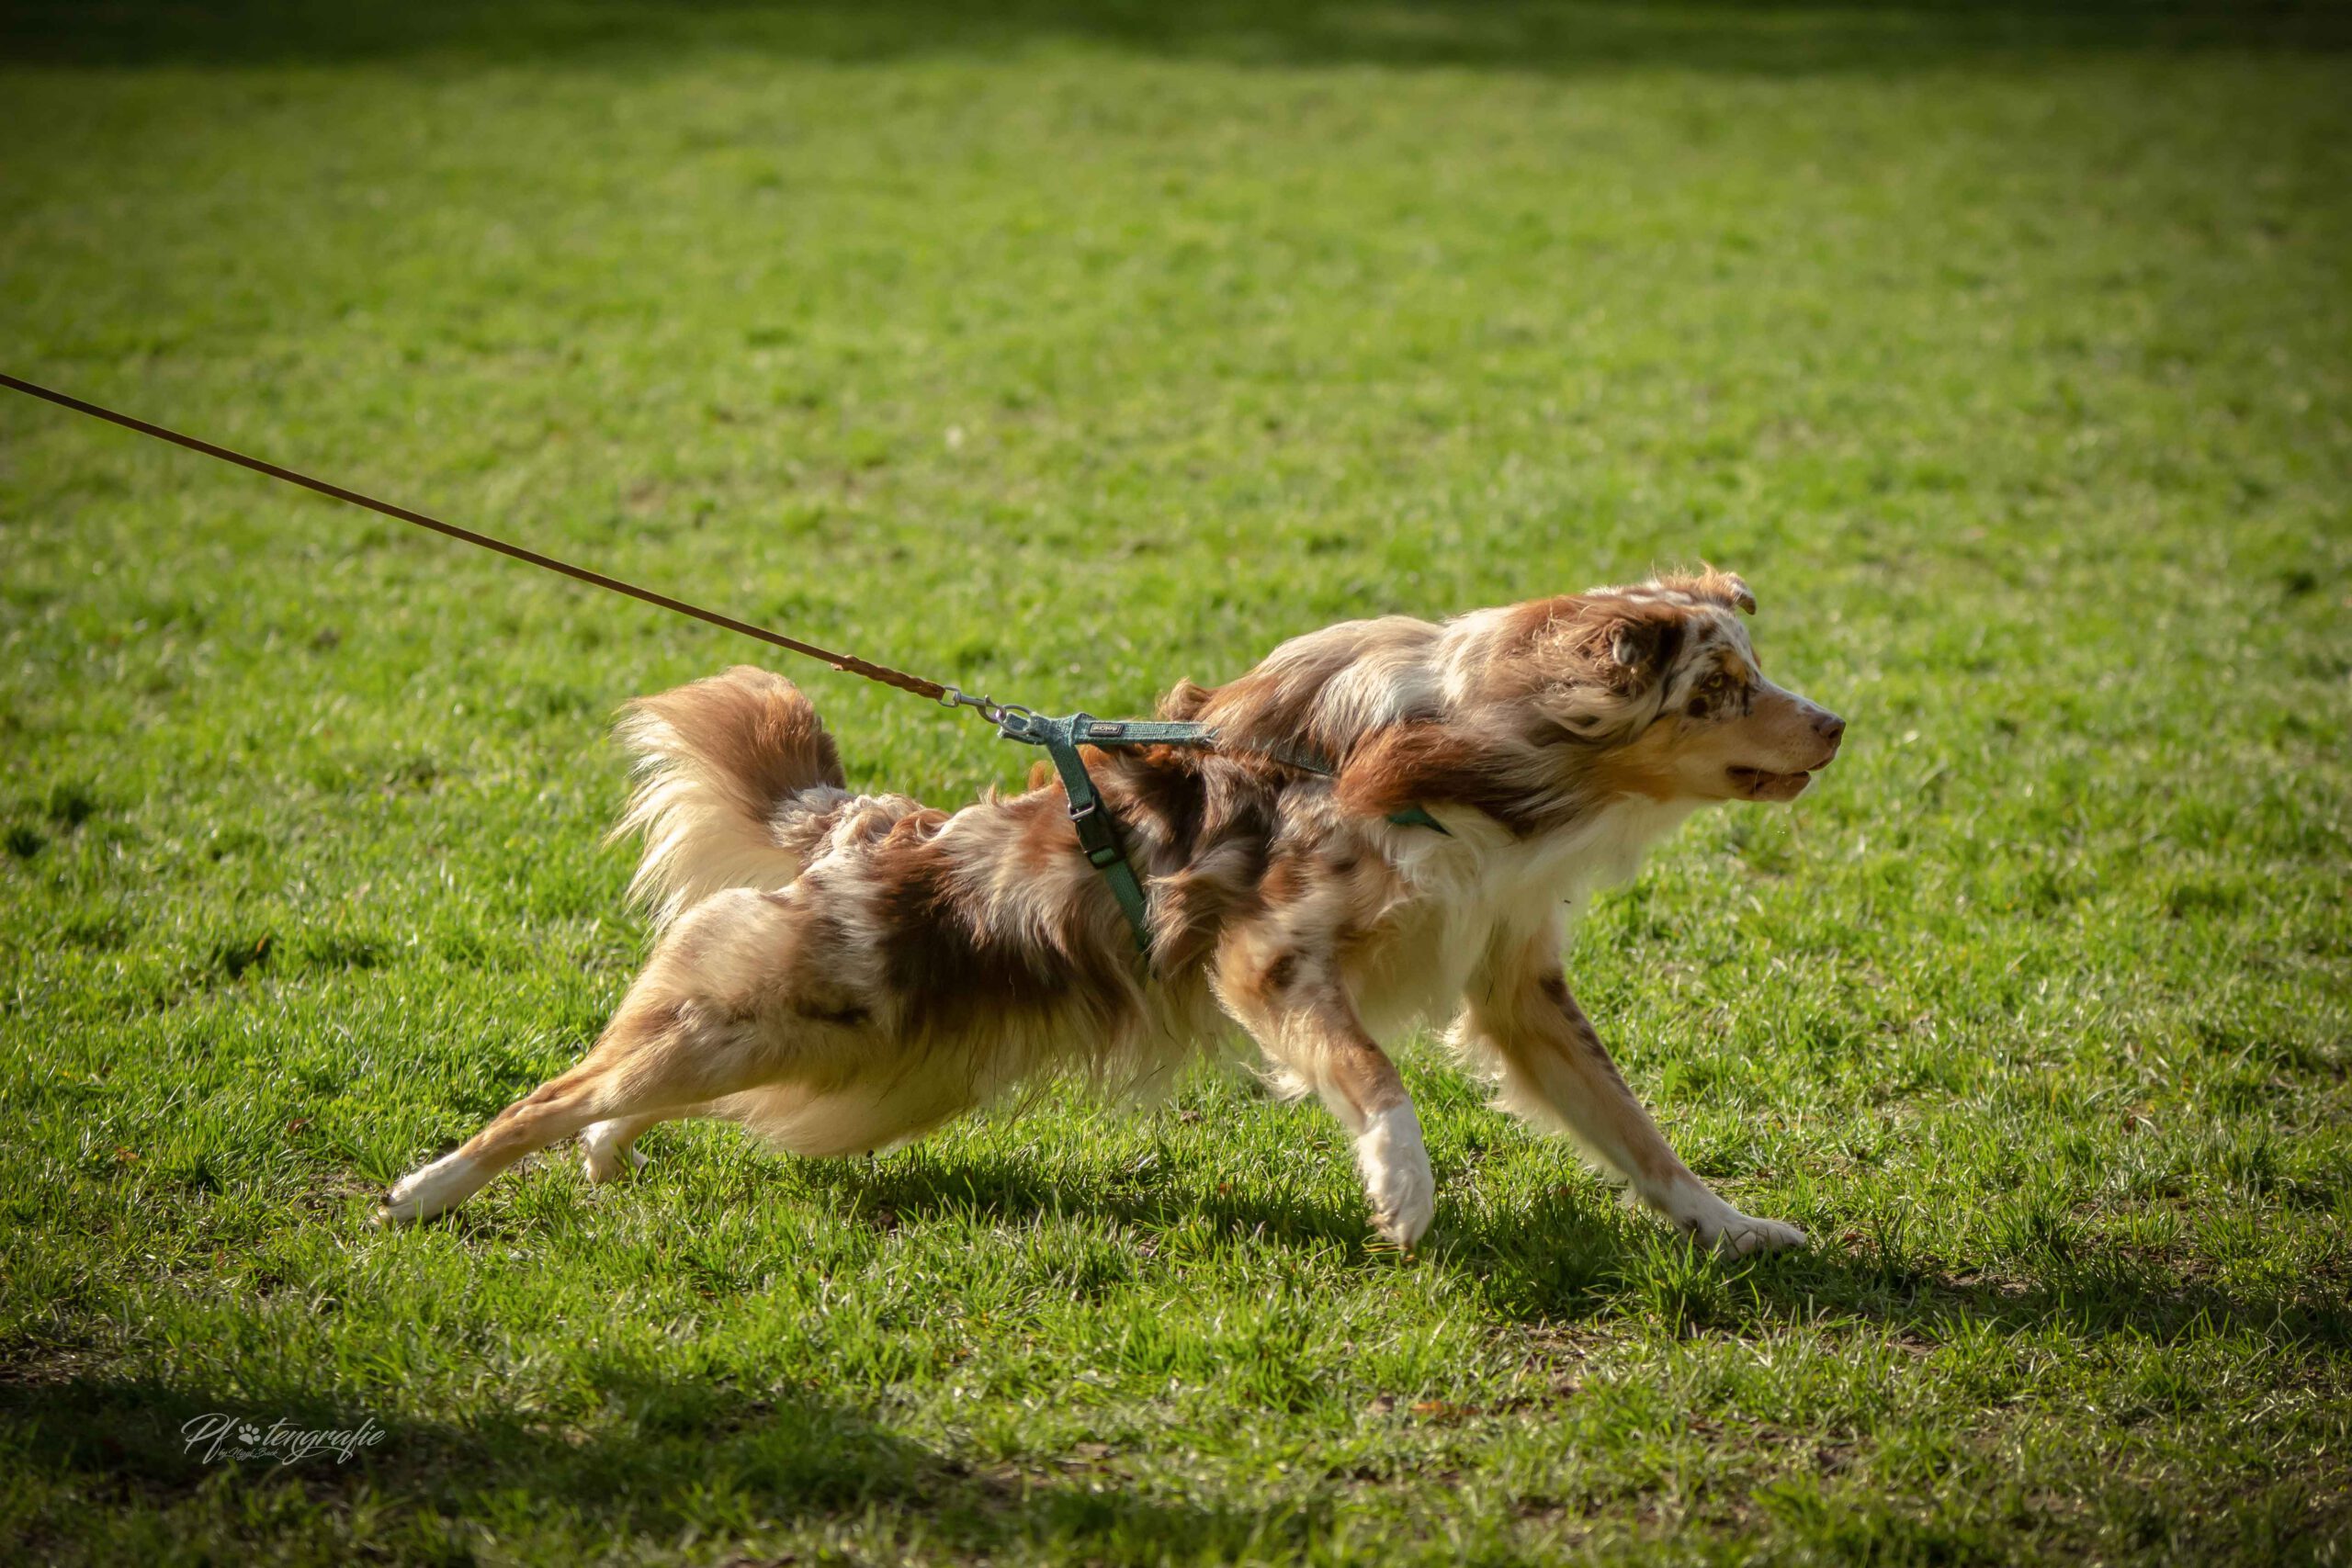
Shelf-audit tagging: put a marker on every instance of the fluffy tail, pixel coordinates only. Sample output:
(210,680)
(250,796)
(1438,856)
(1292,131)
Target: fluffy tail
(720,763)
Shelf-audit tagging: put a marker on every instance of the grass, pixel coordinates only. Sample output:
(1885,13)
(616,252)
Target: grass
(1062,354)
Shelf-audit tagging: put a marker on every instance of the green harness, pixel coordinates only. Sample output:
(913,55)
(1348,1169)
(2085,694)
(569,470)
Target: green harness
(1097,835)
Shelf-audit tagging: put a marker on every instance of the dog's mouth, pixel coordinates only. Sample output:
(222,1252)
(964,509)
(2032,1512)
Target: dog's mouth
(1758,784)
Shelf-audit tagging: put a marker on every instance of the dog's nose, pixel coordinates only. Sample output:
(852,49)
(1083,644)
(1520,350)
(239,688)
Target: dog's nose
(1830,727)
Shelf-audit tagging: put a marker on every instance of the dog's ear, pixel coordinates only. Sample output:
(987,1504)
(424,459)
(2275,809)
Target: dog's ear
(1727,588)
(1639,649)
(1615,666)
(1714,587)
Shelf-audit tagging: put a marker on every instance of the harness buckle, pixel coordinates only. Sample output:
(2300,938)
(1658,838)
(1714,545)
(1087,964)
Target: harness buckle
(1095,834)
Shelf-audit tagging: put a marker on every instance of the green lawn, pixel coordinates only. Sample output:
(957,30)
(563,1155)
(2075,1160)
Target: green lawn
(1062,355)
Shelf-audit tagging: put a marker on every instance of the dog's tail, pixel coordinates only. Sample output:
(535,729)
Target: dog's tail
(722,767)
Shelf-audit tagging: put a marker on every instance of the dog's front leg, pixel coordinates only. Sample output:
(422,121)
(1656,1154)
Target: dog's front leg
(1305,1026)
(1327,1046)
(1555,1069)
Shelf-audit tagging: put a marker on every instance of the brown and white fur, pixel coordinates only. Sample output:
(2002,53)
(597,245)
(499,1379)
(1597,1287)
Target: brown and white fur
(844,972)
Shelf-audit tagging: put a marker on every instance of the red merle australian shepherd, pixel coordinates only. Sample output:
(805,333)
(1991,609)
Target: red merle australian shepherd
(844,972)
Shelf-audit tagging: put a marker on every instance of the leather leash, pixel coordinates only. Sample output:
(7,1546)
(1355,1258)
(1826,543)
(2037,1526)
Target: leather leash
(1098,834)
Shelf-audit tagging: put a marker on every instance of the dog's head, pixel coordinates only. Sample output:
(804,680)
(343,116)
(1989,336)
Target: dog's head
(1535,713)
(1663,688)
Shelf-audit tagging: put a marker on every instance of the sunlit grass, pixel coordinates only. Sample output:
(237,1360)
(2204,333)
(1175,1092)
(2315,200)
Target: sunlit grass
(1063,357)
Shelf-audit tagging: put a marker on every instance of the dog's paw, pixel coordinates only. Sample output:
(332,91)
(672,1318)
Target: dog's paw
(1697,1213)
(1735,1235)
(428,1190)
(1396,1175)
(606,1155)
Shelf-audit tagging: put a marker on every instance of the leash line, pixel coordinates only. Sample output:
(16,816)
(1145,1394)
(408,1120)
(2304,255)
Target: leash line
(1098,836)
(848,663)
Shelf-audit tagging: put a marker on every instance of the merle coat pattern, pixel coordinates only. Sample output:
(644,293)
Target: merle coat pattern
(844,972)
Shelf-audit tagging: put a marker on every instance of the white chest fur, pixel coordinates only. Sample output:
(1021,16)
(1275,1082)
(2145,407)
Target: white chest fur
(1482,889)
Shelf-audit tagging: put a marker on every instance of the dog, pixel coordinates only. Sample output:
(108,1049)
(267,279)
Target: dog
(844,972)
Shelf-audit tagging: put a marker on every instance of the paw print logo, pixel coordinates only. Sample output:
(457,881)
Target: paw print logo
(249,1435)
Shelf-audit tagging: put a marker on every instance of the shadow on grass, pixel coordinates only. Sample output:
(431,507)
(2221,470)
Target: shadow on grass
(927,1183)
(667,1458)
(1768,38)
(1560,1260)
(1534,1268)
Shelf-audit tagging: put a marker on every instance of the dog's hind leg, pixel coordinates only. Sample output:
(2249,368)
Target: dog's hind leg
(691,1030)
(653,1063)
(608,1148)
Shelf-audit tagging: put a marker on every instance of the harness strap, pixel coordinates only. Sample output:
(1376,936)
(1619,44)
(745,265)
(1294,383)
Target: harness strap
(1411,817)
(1097,835)
(1090,815)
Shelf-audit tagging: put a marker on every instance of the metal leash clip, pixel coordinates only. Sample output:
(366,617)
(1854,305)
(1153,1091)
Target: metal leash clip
(1010,717)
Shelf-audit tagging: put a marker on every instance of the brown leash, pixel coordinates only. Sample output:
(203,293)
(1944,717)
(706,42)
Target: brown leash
(1061,738)
(846,663)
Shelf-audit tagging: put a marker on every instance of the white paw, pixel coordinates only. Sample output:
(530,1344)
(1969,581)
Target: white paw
(605,1154)
(1396,1175)
(429,1190)
(1735,1235)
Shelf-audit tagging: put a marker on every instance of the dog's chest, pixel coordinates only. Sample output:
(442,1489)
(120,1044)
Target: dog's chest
(1428,950)
(1416,967)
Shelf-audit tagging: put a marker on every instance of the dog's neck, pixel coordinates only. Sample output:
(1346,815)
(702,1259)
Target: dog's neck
(1597,848)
